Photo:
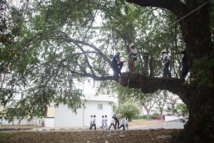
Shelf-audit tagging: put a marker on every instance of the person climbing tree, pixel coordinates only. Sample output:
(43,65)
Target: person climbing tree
(166,65)
(133,56)
(185,69)
(116,63)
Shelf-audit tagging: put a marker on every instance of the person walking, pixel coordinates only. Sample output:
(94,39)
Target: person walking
(126,122)
(185,68)
(102,122)
(133,56)
(116,63)
(94,123)
(116,120)
(91,122)
(112,123)
(122,123)
(166,65)
(105,122)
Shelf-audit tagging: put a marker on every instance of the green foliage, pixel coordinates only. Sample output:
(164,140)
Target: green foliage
(130,109)
(205,66)
(182,108)
(155,114)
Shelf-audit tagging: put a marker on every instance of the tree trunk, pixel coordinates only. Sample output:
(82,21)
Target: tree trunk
(147,114)
(199,94)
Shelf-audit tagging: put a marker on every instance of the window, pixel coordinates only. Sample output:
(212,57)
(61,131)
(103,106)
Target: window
(100,106)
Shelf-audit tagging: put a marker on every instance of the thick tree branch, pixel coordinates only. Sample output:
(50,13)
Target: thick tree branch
(172,5)
(150,84)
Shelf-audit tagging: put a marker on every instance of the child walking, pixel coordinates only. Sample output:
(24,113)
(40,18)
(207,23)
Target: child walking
(122,123)
(94,123)
(105,121)
(102,122)
(91,122)
(112,123)
(126,122)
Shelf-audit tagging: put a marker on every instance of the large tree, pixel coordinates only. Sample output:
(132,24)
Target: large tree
(198,95)
(55,47)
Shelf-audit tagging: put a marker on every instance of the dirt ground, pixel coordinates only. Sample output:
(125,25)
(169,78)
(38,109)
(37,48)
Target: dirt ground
(20,126)
(128,136)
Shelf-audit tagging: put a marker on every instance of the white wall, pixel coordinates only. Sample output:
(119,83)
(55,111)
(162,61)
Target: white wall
(92,109)
(23,122)
(172,118)
(49,122)
(64,117)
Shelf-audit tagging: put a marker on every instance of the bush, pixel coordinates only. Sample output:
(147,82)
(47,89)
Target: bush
(130,109)
(158,118)
(155,114)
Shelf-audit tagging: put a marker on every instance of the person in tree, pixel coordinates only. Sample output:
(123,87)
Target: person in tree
(133,56)
(116,63)
(166,65)
(185,69)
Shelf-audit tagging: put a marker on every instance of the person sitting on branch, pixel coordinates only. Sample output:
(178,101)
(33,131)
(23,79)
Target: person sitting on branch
(133,56)
(116,63)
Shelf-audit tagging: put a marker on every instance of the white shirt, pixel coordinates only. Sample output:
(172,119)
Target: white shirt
(134,51)
(112,120)
(103,120)
(94,121)
(165,56)
(106,120)
(91,120)
(122,121)
(126,121)
(0,120)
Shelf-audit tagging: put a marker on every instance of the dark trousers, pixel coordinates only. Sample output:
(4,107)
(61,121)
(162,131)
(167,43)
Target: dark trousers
(166,69)
(93,125)
(111,125)
(116,123)
(122,126)
(117,67)
(185,69)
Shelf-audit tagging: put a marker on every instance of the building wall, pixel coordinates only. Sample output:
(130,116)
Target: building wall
(92,109)
(64,117)
(49,122)
(23,122)
(50,111)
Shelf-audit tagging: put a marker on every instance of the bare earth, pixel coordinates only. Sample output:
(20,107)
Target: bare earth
(128,136)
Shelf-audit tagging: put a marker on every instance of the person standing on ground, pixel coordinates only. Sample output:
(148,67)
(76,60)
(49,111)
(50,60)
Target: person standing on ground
(133,56)
(122,123)
(94,123)
(112,123)
(126,122)
(166,65)
(91,122)
(102,122)
(116,120)
(116,63)
(105,122)
(185,68)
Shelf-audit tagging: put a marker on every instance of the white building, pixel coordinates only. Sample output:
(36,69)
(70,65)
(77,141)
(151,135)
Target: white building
(94,105)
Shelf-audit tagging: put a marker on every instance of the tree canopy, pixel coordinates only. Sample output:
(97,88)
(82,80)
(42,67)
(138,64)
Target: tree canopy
(47,45)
